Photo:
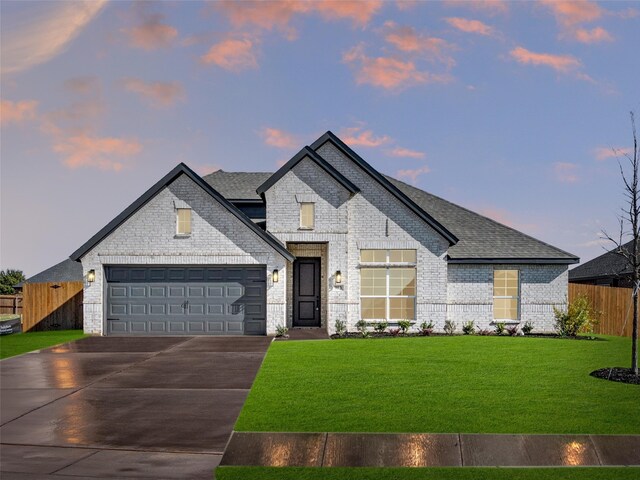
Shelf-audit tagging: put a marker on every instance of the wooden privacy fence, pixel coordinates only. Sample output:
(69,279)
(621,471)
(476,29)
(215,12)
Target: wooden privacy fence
(52,306)
(11,304)
(613,304)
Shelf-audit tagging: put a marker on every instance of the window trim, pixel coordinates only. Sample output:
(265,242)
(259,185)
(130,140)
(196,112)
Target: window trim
(178,232)
(517,297)
(313,216)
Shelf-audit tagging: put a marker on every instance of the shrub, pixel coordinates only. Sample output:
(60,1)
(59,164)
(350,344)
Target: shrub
(404,325)
(394,331)
(449,327)
(362,328)
(380,327)
(484,332)
(527,328)
(281,331)
(341,328)
(512,330)
(426,329)
(469,328)
(500,326)
(577,317)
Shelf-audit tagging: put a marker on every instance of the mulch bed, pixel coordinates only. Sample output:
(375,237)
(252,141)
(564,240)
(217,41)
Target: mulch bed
(439,334)
(617,374)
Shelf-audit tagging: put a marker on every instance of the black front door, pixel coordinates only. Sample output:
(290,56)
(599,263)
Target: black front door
(306,292)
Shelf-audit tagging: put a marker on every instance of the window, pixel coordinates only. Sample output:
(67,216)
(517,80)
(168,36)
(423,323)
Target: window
(183,221)
(307,214)
(388,289)
(506,294)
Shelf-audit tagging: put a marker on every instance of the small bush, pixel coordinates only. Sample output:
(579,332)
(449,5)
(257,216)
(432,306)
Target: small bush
(362,328)
(484,332)
(341,328)
(394,331)
(512,330)
(500,326)
(380,327)
(404,325)
(577,317)
(527,328)
(281,331)
(449,327)
(469,328)
(426,329)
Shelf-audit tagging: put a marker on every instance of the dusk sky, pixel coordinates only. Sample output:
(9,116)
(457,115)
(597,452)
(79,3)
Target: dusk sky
(511,109)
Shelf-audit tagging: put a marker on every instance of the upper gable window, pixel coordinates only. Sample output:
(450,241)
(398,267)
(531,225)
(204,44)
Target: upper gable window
(307,215)
(183,221)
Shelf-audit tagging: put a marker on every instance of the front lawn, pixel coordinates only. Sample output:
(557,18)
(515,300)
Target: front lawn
(459,384)
(454,473)
(18,343)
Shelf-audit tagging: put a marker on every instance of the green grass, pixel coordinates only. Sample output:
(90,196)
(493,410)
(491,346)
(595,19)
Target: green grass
(18,343)
(461,384)
(454,473)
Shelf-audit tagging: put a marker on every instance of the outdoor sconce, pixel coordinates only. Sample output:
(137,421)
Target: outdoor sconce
(91,276)
(275,276)
(338,276)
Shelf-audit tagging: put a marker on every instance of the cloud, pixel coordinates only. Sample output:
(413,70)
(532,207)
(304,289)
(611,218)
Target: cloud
(470,26)
(358,11)
(151,33)
(413,174)
(604,153)
(560,63)
(486,6)
(406,153)
(388,72)
(505,217)
(40,31)
(594,35)
(565,172)
(17,112)
(82,85)
(358,137)
(206,169)
(157,94)
(279,138)
(234,54)
(406,39)
(105,153)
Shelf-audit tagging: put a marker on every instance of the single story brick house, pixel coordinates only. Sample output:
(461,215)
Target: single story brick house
(325,238)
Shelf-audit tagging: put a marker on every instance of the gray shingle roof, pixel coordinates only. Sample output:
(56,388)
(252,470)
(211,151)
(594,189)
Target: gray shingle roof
(480,238)
(65,271)
(609,264)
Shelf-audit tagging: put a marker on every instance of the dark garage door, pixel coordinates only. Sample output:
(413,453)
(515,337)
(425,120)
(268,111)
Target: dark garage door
(193,300)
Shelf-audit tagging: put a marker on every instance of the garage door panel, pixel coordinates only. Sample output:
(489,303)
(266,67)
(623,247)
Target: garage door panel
(189,300)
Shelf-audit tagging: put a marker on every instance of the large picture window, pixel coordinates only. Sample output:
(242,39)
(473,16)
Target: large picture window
(506,294)
(388,284)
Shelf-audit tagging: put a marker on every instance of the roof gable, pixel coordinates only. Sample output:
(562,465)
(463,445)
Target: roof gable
(306,152)
(382,180)
(180,169)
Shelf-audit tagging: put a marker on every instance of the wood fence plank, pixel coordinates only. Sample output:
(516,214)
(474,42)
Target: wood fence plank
(613,305)
(52,306)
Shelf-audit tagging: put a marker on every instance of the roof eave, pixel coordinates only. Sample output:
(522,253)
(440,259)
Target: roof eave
(525,260)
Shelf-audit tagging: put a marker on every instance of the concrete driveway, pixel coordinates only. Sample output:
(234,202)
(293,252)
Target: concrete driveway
(109,407)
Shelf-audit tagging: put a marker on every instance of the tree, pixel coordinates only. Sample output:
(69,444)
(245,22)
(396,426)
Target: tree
(630,227)
(9,278)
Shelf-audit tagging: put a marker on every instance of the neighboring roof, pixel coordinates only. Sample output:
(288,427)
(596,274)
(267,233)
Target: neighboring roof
(65,271)
(382,180)
(237,185)
(609,264)
(180,169)
(306,152)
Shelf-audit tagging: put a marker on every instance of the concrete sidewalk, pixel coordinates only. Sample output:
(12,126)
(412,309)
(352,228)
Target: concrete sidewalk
(429,450)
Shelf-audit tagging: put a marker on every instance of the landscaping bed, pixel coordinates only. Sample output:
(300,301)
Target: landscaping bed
(617,374)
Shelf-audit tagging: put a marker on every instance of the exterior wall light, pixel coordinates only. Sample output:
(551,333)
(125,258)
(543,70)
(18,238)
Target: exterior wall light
(275,276)
(91,276)
(338,276)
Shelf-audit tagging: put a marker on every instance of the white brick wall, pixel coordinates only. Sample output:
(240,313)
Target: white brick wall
(148,237)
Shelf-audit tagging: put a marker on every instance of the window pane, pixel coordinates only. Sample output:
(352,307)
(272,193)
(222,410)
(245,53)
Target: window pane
(402,256)
(184,221)
(402,309)
(373,281)
(374,308)
(379,256)
(402,281)
(505,308)
(307,215)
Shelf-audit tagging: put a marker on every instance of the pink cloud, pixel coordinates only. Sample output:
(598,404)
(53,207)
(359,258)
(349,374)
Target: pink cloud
(234,54)
(279,138)
(570,13)
(157,94)
(17,112)
(83,85)
(560,63)
(487,6)
(470,26)
(566,172)
(407,39)
(152,33)
(105,153)
(358,137)
(594,35)
(388,72)
(206,169)
(359,12)
(413,174)
(604,153)
(406,153)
